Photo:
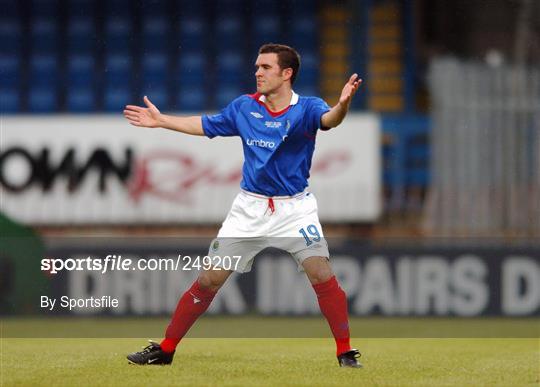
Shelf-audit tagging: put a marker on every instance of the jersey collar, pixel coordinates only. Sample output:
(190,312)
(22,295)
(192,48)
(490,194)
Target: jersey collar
(294,98)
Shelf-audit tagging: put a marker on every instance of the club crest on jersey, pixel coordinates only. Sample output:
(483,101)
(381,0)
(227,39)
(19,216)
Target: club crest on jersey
(256,115)
(272,124)
(215,245)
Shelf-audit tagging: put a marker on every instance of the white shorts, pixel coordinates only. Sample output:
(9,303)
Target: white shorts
(253,225)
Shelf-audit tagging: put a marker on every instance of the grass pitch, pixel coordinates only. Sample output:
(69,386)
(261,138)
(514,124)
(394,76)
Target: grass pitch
(271,361)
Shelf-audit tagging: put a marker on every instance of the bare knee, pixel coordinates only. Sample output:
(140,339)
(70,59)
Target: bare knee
(318,269)
(213,279)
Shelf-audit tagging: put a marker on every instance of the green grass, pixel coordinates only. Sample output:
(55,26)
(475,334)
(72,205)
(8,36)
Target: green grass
(270,361)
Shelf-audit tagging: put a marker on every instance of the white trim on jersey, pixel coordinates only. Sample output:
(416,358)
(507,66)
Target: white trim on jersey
(294,98)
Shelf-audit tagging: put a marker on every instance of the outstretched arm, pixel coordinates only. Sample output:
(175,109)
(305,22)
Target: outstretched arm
(335,116)
(151,117)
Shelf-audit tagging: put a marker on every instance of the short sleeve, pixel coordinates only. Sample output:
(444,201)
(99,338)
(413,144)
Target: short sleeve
(222,124)
(317,107)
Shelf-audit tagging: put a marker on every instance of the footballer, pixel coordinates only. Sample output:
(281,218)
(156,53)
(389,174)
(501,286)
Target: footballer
(273,208)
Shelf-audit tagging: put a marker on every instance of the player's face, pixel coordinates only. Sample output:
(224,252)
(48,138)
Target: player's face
(269,75)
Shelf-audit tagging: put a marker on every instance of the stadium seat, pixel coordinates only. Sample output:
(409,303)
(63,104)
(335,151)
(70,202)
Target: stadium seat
(44,35)
(81,35)
(9,100)
(309,67)
(116,98)
(225,95)
(80,70)
(159,95)
(191,69)
(266,29)
(9,71)
(10,35)
(228,28)
(191,99)
(191,34)
(155,68)
(303,33)
(231,68)
(153,32)
(43,69)
(43,99)
(118,34)
(80,99)
(118,69)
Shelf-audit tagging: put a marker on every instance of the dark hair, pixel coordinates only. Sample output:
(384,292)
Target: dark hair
(288,57)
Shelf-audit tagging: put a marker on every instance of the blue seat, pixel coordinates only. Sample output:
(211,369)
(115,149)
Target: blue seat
(44,35)
(303,33)
(118,34)
(80,99)
(154,34)
(229,32)
(155,68)
(192,34)
(81,70)
(10,35)
(43,69)
(118,69)
(226,94)
(307,89)
(231,68)
(309,67)
(191,69)
(9,71)
(9,100)
(116,98)
(158,94)
(43,99)
(81,35)
(266,29)
(191,99)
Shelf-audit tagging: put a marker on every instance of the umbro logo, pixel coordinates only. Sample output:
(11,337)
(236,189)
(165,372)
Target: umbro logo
(256,115)
(195,299)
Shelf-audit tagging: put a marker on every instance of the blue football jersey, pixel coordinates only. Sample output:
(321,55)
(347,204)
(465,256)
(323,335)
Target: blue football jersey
(278,147)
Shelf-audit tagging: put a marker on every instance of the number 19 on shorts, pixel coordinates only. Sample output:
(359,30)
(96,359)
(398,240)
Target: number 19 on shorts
(312,234)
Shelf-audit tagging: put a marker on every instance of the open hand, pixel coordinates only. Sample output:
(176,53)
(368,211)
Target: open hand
(148,117)
(349,90)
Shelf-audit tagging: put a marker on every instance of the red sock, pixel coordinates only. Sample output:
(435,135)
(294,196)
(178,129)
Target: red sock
(192,304)
(333,304)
